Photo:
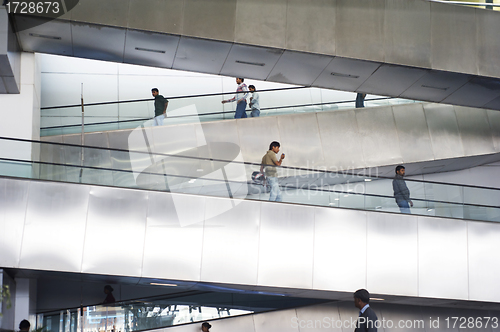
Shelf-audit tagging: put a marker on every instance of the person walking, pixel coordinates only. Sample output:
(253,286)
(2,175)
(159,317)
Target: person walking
(254,102)
(24,326)
(367,321)
(241,99)
(108,290)
(401,191)
(161,104)
(205,327)
(360,100)
(271,173)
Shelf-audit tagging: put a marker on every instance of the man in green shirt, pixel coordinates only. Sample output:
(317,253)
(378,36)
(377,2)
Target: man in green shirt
(271,173)
(161,104)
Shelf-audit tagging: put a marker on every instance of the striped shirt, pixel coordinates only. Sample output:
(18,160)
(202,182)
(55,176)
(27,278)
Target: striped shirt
(241,93)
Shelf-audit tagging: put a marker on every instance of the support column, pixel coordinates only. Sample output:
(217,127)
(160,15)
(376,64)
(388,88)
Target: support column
(20,118)
(7,320)
(25,306)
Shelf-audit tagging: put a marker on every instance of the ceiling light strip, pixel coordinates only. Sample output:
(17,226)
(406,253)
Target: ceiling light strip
(434,87)
(149,50)
(45,36)
(344,75)
(251,63)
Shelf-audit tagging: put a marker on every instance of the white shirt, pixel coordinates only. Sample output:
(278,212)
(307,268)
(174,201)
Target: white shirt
(255,101)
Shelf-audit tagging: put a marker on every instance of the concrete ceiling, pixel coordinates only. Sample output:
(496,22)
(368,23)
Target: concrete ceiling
(422,64)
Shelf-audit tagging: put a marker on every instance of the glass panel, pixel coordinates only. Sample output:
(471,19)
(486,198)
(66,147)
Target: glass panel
(225,178)
(188,109)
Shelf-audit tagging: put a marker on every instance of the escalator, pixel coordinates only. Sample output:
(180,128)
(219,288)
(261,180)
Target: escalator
(187,216)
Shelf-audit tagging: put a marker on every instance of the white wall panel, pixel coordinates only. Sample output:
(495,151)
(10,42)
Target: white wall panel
(231,236)
(174,236)
(115,217)
(442,258)
(483,249)
(55,206)
(13,204)
(392,254)
(336,230)
(286,257)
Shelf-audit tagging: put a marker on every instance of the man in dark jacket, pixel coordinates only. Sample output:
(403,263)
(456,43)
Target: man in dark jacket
(401,191)
(367,321)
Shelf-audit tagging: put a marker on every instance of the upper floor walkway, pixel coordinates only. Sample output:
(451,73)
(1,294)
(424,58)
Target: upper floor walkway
(413,49)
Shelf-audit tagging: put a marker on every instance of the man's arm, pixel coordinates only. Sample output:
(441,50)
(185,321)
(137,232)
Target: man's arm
(229,100)
(395,187)
(165,109)
(407,194)
(278,163)
(245,90)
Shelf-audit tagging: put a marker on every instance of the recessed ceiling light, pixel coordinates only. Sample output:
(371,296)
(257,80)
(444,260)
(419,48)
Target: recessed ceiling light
(434,87)
(44,36)
(159,284)
(251,63)
(376,299)
(368,180)
(344,75)
(191,181)
(149,50)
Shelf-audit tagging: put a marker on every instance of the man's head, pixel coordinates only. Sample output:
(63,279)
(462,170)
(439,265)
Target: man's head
(400,170)
(251,88)
(205,327)
(240,80)
(275,147)
(361,298)
(108,289)
(155,92)
(24,325)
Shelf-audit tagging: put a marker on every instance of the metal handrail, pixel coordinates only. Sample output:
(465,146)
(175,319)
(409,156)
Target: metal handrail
(485,4)
(169,98)
(285,186)
(203,114)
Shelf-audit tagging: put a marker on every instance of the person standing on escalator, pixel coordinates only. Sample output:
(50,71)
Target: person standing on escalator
(254,102)
(161,104)
(271,173)
(401,191)
(108,290)
(240,98)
